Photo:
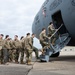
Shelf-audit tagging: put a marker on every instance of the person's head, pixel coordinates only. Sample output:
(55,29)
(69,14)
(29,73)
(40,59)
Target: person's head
(7,37)
(1,36)
(21,37)
(33,35)
(28,34)
(43,29)
(51,23)
(16,37)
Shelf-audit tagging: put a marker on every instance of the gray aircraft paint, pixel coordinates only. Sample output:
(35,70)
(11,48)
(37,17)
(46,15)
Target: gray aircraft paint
(67,8)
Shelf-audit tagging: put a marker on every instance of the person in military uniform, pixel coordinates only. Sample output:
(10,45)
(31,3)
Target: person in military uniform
(29,48)
(34,48)
(51,30)
(22,50)
(11,50)
(17,47)
(43,40)
(6,49)
(1,48)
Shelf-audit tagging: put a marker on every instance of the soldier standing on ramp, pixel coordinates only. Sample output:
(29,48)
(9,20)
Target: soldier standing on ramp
(51,30)
(43,39)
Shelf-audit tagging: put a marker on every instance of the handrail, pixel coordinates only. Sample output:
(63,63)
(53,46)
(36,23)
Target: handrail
(56,31)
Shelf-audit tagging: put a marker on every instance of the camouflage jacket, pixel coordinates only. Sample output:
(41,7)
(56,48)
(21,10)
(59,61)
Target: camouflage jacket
(28,43)
(7,44)
(43,36)
(17,44)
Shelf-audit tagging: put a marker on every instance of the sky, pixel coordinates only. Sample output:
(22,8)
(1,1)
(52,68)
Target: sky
(16,16)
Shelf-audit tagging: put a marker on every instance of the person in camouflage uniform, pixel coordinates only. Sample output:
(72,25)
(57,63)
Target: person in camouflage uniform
(34,48)
(22,50)
(6,49)
(29,48)
(43,40)
(17,47)
(1,48)
(51,30)
(11,50)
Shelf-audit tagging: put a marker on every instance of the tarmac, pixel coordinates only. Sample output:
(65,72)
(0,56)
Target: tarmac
(62,65)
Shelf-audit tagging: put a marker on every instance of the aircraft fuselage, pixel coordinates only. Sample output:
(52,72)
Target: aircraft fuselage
(58,12)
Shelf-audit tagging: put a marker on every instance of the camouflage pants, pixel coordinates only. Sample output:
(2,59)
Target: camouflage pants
(13,54)
(22,55)
(17,55)
(10,55)
(28,54)
(44,44)
(5,55)
(53,39)
(1,56)
(36,51)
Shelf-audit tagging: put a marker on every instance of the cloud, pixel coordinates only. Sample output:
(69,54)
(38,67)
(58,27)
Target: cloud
(16,16)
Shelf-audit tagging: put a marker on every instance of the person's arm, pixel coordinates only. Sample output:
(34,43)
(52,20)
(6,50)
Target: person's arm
(30,42)
(6,45)
(45,36)
(13,45)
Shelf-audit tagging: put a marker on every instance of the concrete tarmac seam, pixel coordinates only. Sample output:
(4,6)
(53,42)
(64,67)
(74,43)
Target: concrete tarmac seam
(31,67)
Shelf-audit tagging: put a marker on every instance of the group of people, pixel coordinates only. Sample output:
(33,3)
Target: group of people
(46,40)
(10,49)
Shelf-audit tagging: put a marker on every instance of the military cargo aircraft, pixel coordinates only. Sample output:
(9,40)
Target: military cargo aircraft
(59,12)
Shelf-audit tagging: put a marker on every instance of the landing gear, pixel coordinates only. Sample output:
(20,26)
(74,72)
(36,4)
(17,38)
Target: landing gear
(55,55)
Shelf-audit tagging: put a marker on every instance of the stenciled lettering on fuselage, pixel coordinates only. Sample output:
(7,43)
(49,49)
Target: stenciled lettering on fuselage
(55,4)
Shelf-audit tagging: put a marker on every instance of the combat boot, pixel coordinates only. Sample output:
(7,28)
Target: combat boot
(29,62)
(16,61)
(22,62)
